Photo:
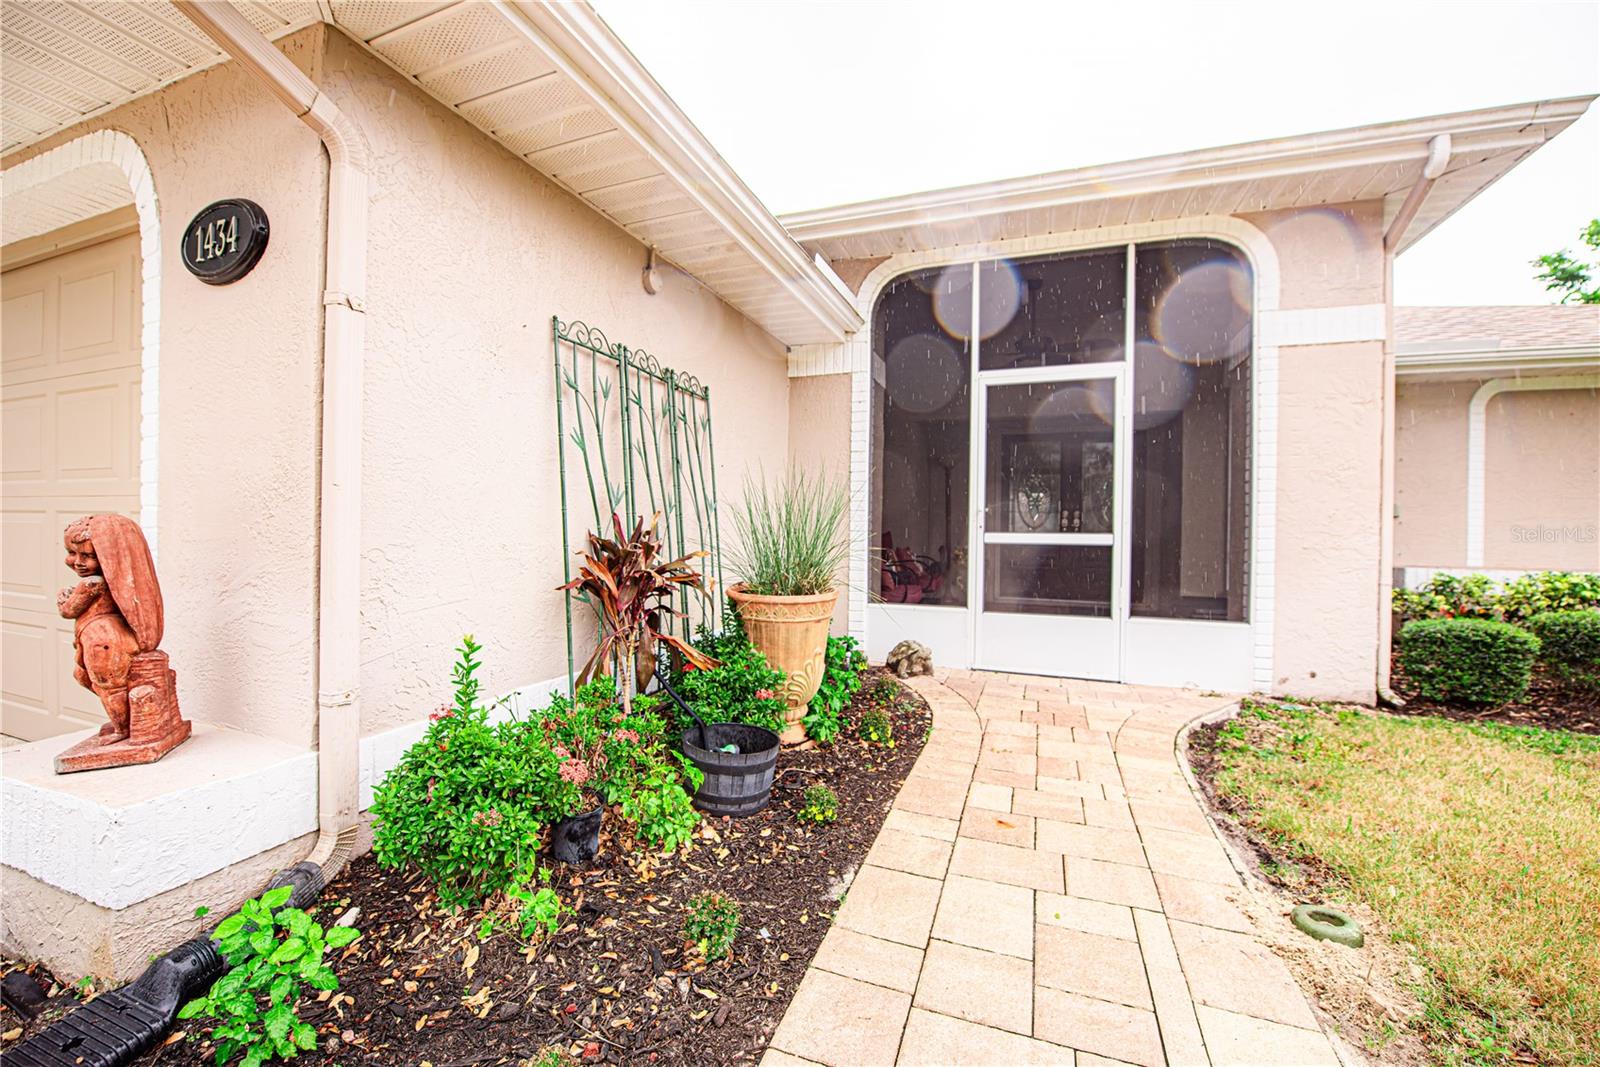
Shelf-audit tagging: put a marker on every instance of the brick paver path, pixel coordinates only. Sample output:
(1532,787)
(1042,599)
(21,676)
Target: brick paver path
(1046,890)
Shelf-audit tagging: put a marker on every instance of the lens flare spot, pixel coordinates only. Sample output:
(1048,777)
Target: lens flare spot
(1203,316)
(952,300)
(923,372)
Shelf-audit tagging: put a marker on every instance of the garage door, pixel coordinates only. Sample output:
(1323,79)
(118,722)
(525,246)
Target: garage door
(70,435)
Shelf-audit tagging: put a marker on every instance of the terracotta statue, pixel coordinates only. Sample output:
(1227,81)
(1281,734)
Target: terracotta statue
(117,607)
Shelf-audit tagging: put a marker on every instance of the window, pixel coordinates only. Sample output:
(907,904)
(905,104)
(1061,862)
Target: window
(921,422)
(1191,432)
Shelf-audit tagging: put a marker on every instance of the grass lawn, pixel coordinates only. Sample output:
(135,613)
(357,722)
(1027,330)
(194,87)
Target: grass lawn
(1477,843)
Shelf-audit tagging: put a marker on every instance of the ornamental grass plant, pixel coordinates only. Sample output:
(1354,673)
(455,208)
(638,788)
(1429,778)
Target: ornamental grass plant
(793,537)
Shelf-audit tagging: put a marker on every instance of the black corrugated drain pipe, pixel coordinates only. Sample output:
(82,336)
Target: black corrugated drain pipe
(115,1028)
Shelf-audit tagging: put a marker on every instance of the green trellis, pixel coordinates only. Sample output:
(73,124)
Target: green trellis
(642,437)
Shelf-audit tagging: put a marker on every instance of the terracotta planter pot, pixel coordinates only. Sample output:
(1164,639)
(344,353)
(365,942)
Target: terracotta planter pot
(792,632)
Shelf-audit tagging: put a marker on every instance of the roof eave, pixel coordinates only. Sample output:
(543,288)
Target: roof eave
(577,38)
(1501,129)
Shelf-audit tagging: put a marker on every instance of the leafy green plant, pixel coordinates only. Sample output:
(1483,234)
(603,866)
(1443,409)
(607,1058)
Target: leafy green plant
(1477,596)
(712,924)
(742,687)
(542,911)
(1534,594)
(273,953)
(792,536)
(631,588)
(884,691)
(1569,645)
(551,1056)
(821,805)
(1474,661)
(876,728)
(613,756)
(1570,276)
(843,666)
(469,802)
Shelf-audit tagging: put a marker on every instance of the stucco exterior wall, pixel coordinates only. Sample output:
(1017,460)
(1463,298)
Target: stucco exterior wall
(1329,441)
(1330,434)
(238,389)
(1541,477)
(471,253)
(1329,256)
(819,442)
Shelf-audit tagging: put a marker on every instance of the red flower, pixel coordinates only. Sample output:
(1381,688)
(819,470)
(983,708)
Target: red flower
(626,735)
(575,771)
(765,694)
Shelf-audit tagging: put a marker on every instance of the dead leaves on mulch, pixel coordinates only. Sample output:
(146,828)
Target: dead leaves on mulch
(616,984)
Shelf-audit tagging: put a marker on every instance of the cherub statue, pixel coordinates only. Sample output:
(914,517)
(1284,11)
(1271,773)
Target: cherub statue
(117,607)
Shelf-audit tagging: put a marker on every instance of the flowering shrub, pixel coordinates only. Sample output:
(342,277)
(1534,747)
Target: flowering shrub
(876,728)
(609,756)
(470,800)
(1477,596)
(844,664)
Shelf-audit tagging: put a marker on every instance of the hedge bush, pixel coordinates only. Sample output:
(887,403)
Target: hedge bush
(1569,644)
(1473,661)
(1477,596)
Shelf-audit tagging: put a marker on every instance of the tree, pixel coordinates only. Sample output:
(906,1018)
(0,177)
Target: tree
(1574,279)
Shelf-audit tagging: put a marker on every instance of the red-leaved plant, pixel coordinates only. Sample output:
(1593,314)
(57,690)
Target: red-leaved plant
(632,588)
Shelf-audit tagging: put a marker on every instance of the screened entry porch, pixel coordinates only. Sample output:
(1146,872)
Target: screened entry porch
(1040,502)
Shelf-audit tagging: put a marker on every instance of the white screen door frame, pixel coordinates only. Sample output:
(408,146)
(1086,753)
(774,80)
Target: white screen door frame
(1077,646)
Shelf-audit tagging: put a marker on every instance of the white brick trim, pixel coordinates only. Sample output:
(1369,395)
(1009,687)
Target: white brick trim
(123,152)
(853,357)
(1323,326)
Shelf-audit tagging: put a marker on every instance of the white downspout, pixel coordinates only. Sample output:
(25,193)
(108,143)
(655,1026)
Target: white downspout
(343,341)
(1438,160)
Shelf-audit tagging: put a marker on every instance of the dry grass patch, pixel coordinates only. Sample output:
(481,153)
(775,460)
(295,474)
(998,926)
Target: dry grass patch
(1478,845)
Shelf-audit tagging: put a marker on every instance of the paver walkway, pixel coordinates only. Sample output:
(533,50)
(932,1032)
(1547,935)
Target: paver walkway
(1046,890)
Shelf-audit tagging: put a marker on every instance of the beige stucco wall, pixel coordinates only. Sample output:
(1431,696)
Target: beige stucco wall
(1330,433)
(1328,256)
(472,252)
(1541,477)
(819,443)
(238,388)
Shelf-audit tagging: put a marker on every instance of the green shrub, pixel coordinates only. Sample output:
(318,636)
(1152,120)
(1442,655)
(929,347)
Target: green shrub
(821,805)
(1536,594)
(844,665)
(1474,661)
(469,802)
(1569,644)
(1449,596)
(1477,596)
(272,958)
(876,728)
(712,924)
(742,688)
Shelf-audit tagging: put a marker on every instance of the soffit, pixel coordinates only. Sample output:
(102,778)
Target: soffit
(549,82)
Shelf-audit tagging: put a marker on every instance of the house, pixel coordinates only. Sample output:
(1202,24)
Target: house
(1497,439)
(350,452)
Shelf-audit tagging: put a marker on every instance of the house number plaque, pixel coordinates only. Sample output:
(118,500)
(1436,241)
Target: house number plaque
(225,241)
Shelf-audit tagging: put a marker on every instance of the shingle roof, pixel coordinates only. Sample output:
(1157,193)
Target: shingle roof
(1448,329)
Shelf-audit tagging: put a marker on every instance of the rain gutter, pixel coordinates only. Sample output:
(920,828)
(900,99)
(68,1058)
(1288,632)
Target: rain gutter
(343,357)
(1437,162)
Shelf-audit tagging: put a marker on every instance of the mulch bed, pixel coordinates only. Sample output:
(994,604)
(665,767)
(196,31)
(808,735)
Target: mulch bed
(1549,704)
(617,984)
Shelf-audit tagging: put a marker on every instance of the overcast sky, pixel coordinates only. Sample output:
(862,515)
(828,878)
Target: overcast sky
(820,103)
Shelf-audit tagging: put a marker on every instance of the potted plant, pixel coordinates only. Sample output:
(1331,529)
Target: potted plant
(792,542)
(631,590)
